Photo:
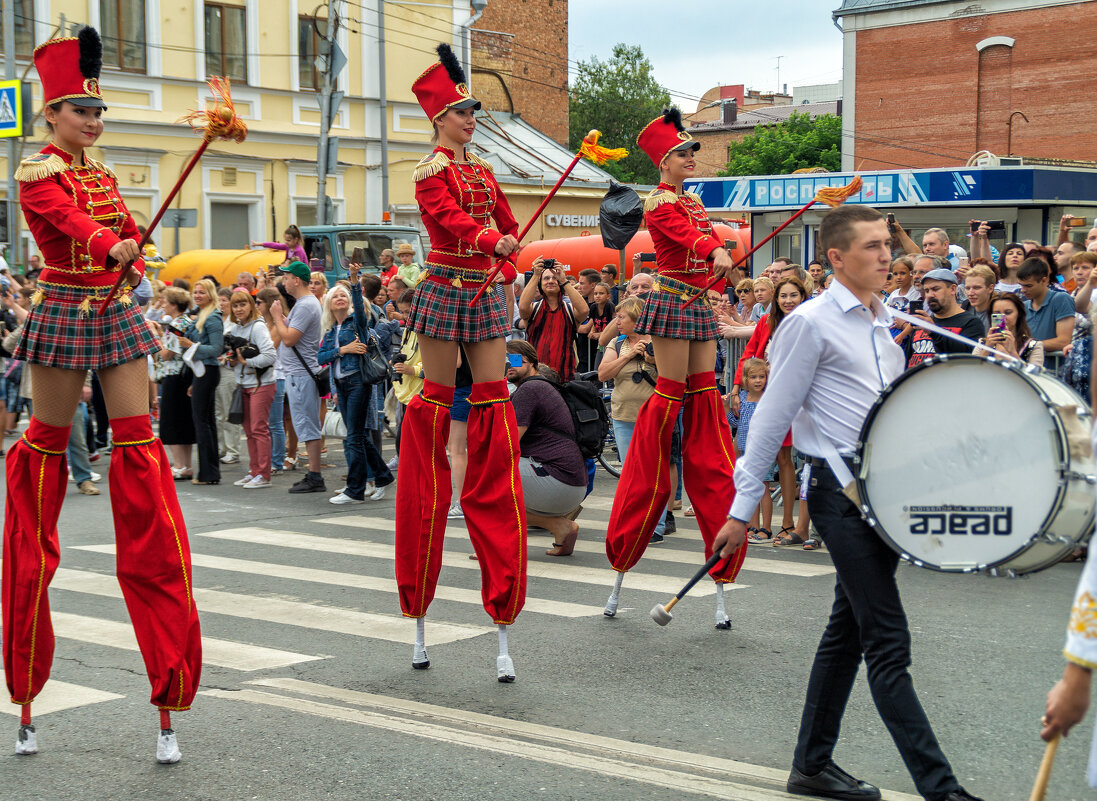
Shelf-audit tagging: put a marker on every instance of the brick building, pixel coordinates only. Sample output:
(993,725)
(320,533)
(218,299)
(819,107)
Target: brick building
(520,62)
(927,83)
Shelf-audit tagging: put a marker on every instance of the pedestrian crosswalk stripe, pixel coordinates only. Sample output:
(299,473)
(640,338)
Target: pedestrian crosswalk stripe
(221,653)
(331,577)
(59,695)
(291,613)
(558,571)
(681,771)
(693,556)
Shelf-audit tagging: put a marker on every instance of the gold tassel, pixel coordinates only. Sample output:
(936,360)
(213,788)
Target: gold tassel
(98,165)
(125,299)
(432,164)
(695,197)
(658,197)
(85,308)
(38,296)
(40,166)
(473,158)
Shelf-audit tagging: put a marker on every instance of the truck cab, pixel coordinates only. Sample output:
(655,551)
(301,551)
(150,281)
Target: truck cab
(330,247)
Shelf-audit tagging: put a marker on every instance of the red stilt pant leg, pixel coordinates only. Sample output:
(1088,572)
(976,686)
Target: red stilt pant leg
(492,500)
(422,497)
(708,465)
(154,563)
(36,473)
(644,487)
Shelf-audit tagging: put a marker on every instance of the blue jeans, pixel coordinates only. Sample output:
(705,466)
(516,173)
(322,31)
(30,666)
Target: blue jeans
(78,446)
(364,461)
(622,435)
(277,429)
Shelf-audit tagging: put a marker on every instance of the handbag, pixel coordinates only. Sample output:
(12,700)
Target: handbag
(374,367)
(236,407)
(322,378)
(334,425)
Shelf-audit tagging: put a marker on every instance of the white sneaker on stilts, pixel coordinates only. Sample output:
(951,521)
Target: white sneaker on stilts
(27,742)
(614,597)
(504,665)
(167,748)
(419,658)
(723,622)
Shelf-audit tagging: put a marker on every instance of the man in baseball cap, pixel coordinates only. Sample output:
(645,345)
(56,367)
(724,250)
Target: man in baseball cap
(941,308)
(298,268)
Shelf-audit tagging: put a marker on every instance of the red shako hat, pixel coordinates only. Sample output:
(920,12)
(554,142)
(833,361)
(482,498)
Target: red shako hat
(69,69)
(665,134)
(443,86)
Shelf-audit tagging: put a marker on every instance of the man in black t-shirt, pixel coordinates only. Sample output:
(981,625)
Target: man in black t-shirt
(554,473)
(941,308)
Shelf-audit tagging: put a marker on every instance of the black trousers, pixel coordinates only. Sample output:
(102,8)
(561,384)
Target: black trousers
(867,620)
(202,394)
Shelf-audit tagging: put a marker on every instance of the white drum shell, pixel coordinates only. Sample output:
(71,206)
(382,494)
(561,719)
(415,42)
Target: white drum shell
(970,464)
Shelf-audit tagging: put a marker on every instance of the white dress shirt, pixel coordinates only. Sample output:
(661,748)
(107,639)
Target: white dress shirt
(831,359)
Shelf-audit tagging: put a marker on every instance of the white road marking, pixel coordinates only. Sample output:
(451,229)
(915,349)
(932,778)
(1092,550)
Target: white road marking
(754,564)
(59,695)
(664,585)
(222,653)
(682,771)
(334,578)
(290,613)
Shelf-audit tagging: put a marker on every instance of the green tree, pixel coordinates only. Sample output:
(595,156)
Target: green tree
(785,147)
(618,97)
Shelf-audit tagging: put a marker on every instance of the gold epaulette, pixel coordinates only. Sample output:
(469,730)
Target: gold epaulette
(98,165)
(657,198)
(39,166)
(431,164)
(477,160)
(695,197)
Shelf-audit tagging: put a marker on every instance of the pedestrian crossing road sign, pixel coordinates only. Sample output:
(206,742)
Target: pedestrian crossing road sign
(11,108)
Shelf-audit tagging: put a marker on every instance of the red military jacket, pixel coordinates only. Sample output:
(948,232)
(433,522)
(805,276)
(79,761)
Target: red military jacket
(75,215)
(458,201)
(681,233)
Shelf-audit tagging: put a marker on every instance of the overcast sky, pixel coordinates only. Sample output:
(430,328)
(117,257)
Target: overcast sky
(697,45)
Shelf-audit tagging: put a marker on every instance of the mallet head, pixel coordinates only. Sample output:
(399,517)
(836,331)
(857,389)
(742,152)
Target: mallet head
(660,615)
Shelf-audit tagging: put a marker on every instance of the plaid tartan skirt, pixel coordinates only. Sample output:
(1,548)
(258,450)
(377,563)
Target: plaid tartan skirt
(664,315)
(442,311)
(59,333)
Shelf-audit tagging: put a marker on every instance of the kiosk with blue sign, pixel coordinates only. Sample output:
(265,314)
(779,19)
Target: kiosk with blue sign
(1030,199)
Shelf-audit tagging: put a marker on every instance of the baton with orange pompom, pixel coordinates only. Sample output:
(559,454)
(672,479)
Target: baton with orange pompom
(219,122)
(591,150)
(833,196)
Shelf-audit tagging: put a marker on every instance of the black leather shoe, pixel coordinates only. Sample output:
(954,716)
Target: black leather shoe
(831,782)
(961,795)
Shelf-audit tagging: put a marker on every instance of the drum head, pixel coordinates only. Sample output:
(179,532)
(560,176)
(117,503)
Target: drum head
(960,459)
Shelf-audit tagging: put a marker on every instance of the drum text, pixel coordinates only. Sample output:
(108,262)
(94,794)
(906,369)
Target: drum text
(996,520)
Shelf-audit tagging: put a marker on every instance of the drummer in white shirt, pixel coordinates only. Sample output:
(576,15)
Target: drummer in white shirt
(832,358)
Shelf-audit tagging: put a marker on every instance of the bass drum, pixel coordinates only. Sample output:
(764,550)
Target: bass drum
(969,464)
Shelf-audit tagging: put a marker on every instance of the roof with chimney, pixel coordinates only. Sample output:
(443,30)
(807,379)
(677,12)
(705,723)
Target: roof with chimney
(771,115)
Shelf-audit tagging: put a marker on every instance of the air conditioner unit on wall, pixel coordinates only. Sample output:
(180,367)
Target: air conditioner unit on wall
(1010,161)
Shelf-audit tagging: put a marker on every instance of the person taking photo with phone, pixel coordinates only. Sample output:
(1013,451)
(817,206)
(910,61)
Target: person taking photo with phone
(552,320)
(1009,332)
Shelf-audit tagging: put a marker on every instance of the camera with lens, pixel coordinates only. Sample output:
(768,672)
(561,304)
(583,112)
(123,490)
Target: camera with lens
(247,349)
(399,358)
(550,264)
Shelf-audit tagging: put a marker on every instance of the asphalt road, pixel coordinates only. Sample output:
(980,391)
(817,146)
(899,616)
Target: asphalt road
(308,688)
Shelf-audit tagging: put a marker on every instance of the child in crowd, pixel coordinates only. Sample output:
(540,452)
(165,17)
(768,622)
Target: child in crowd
(601,312)
(755,376)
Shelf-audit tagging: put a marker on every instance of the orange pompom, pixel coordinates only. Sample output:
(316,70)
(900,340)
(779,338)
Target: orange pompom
(835,196)
(219,122)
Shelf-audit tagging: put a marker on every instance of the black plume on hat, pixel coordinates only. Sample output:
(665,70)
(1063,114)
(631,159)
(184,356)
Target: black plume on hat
(674,117)
(449,61)
(91,52)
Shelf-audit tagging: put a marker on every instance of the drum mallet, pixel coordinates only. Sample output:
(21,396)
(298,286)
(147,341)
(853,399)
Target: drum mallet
(660,613)
(1040,788)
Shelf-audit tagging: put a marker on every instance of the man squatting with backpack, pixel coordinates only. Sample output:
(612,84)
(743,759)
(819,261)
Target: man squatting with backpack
(552,467)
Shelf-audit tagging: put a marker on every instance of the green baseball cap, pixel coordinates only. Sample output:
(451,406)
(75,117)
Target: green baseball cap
(298,268)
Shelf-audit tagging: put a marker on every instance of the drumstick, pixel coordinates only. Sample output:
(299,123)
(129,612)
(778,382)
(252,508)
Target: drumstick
(1040,788)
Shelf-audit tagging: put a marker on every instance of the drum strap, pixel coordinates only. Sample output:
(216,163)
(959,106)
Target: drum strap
(944,332)
(830,455)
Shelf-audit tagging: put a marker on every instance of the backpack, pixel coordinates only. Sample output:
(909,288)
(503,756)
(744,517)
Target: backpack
(588,415)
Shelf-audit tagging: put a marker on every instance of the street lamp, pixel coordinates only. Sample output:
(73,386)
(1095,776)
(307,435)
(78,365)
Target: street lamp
(1009,126)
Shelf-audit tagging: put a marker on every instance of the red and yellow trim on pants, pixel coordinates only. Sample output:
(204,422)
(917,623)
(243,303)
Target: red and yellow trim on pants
(708,466)
(644,487)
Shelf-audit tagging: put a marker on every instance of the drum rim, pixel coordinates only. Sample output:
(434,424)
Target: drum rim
(869,513)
